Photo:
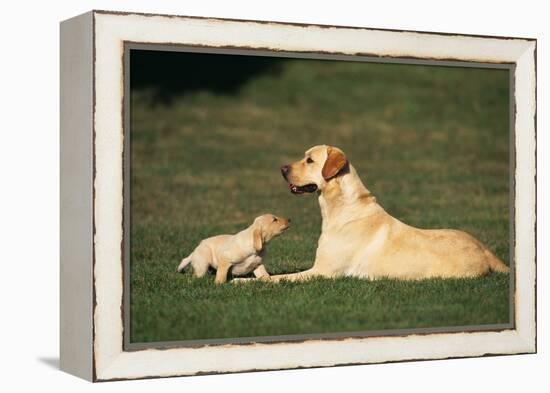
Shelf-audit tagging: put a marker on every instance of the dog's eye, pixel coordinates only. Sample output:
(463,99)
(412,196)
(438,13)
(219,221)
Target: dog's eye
(274,219)
(309,160)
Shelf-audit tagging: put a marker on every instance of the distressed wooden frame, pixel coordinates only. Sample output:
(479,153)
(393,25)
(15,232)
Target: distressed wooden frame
(92,193)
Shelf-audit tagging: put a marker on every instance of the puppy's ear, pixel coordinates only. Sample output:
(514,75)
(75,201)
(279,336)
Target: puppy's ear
(335,162)
(258,243)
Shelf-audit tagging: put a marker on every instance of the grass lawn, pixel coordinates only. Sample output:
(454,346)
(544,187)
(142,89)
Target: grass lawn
(431,143)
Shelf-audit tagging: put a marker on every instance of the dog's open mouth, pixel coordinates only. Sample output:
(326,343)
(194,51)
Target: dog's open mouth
(302,189)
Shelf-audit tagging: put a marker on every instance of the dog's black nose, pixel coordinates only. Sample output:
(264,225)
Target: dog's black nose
(285,169)
(288,219)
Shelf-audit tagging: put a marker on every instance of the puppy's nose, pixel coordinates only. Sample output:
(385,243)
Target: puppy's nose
(288,220)
(285,169)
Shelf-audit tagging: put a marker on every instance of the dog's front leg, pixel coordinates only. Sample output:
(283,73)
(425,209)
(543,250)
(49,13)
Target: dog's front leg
(301,276)
(221,273)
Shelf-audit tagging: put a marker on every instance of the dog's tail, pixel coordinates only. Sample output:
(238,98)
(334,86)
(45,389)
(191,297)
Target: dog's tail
(495,264)
(183,264)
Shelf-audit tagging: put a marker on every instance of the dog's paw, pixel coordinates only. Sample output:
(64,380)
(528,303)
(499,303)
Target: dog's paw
(242,280)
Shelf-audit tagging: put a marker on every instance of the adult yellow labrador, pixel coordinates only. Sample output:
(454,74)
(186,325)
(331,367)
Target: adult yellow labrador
(359,238)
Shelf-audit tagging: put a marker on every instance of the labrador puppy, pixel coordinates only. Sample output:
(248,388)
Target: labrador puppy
(241,253)
(359,238)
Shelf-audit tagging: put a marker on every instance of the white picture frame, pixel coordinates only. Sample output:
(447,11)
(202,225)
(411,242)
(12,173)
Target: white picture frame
(92,192)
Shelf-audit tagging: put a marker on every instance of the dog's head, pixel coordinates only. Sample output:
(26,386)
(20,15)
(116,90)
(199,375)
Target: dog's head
(320,165)
(268,226)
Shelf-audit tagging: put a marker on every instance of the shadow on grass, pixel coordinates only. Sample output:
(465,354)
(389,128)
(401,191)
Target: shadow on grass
(173,74)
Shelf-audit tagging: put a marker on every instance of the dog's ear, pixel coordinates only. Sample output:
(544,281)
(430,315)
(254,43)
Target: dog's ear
(335,162)
(258,243)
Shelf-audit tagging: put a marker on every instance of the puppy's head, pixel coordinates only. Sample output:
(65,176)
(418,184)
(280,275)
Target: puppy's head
(269,226)
(320,165)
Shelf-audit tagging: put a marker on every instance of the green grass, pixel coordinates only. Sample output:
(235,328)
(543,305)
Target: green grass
(430,142)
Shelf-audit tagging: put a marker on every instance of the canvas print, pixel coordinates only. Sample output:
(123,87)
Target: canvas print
(280,198)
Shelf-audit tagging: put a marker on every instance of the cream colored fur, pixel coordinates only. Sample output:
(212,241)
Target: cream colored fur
(359,238)
(241,253)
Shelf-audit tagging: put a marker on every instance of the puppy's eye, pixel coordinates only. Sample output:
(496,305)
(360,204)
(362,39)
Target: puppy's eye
(274,219)
(309,160)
